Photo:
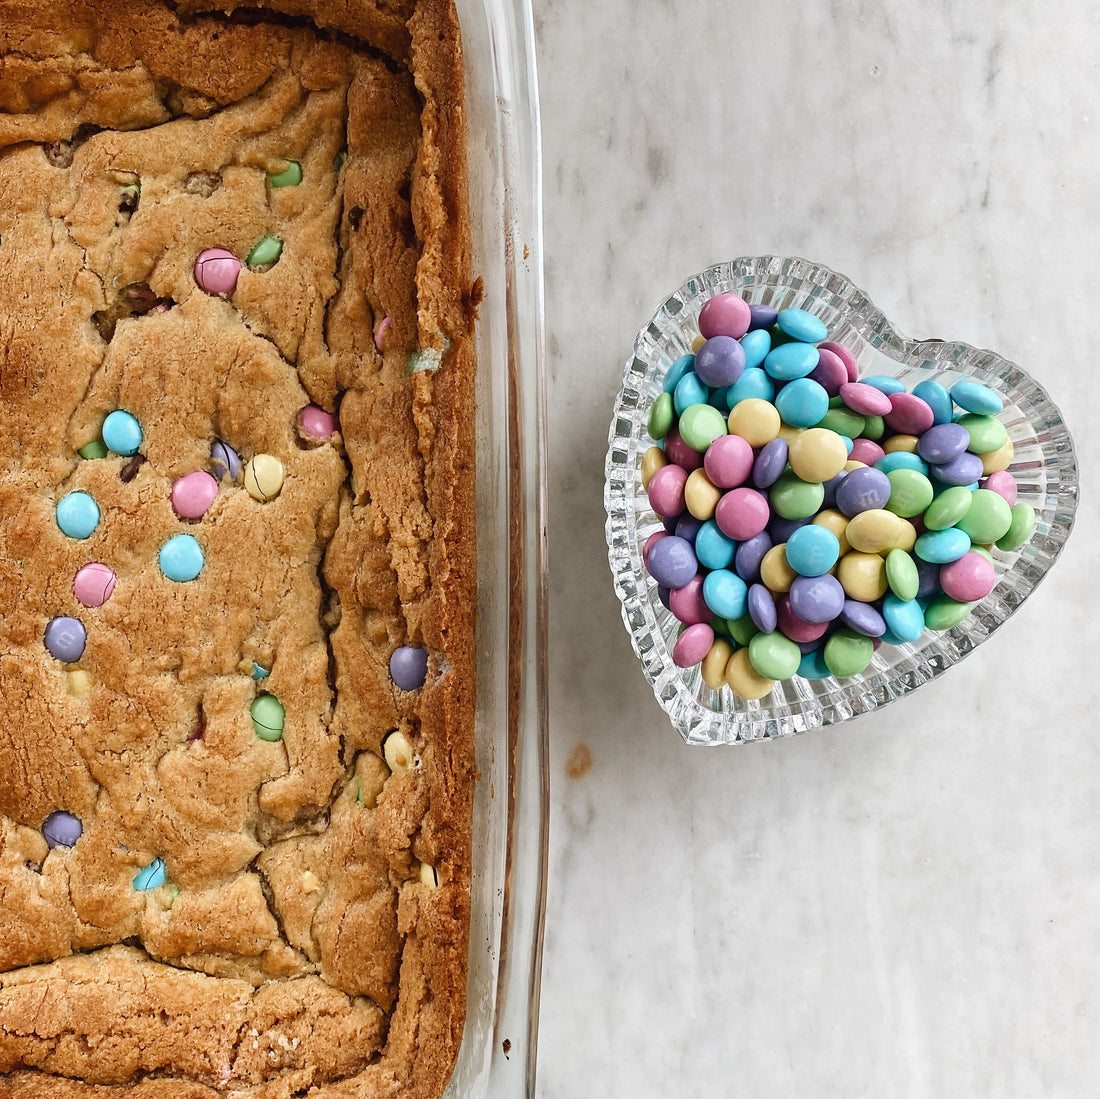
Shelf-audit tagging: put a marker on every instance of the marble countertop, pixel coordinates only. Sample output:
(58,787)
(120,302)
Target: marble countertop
(908,905)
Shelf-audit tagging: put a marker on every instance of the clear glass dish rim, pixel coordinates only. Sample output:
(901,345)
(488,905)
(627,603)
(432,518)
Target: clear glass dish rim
(497,1056)
(812,284)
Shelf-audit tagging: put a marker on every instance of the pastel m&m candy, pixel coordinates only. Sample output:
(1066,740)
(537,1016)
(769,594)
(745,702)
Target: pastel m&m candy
(77,515)
(94,584)
(316,423)
(268,717)
(216,271)
(409,667)
(193,494)
(181,558)
(122,433)
(65,638)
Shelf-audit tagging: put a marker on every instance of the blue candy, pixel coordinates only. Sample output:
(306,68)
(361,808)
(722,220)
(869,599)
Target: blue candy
(122,433)
(181,558)
(725,593)
(803,403)
(77,515)
(802,325)
(975,397)
(149,877)
(812,550)
(676,371)
(753,383)
(903,617)
(689,390)
(937,398)
(901,459)
(756,345)
(941,547)
(791,360)
(713,549)
(884,383)
(812,665)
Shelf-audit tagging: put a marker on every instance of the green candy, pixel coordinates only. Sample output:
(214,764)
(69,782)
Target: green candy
(290,176)
(268,717)
(661,417)
(844,422)
(720,627)
(988,518)
(774,655)
(902,574)
(948,508)
(264,252)
(1020,529)
(743,629)
(943,612)
(874,427)
(987,433)
(793,498)
(700,425)
(95,449)
(910,492)
(847,653)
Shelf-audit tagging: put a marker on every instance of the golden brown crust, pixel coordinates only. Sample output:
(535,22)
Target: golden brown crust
(313,930)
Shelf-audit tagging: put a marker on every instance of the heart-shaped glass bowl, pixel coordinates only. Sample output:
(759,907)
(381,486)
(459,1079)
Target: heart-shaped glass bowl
(1044,466)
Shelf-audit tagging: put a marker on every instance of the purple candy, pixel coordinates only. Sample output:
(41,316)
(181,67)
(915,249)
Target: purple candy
(781,529)
(720,361)
(928,578)
(963,470)
(65,639)
(663,593)
(942,442)
(831,372)
(61,829)
(409,666)
(863,618)
(672,561)
(817,598)
(688,527)
(762,609)
(762,316)
(830,486)
(671,522)
(746,561)
(805,647)
(224,461)
(863,490)
(770,463)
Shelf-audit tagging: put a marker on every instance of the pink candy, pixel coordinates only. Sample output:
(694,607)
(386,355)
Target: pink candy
(216,271)
(93,584)
(676,450)
(845,356)
(725,315)
(692,645)
(317,423)
(865,399)
(687,603)
(193,493)
(831,372)
(866,451)
(728,461)
(742,513)
(1004,485)
(666,490)
(968,579)
(909,414)
(650,542)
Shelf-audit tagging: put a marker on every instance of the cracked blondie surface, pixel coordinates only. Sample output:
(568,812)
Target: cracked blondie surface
(234,804)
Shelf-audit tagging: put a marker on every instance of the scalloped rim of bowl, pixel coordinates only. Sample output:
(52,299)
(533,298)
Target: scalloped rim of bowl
(1045,467)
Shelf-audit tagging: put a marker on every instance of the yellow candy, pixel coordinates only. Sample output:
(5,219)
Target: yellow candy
(263,477)
(907,537)
(756,421)
(817,454)
(854,463)
(837,522)
(744,679)
(776,574)
(697,343)
(714,664)
(862,576)
(876,531)
(996,460)
(701,496)
(908,443)
(788,434)
(79,683)
(652,460)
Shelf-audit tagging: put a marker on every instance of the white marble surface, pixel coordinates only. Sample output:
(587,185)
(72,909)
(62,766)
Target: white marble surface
(908,906)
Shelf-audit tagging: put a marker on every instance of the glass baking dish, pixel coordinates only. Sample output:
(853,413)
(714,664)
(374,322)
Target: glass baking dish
(497,1056)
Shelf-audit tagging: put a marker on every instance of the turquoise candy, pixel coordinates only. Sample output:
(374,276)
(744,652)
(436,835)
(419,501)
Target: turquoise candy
(884,383)
(149,877)
(181,558)
(800,324)
(756,345)
(802,403)
(937,398)
(975,397)
(676,371)
(813,666)
(904,617)
(713,549)
(754,384)
(725,593)
(791,360)
(902,459)
(122,433)
(77,515)
(939,547)
(689,390)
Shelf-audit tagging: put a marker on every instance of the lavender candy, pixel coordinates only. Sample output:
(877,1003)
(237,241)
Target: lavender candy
(942,442)
(762,610)
(224,461)
(817,599)
(962,470)
(770,463)
(863,618)
(61,829)
(409,666)
(762,316)
(865,489)
(65,639)
(672,561)
(749,554)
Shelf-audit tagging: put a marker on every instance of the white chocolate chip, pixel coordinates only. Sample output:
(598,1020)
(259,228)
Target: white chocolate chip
(398,752)
(429,876)
(310,882)
(79,683)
